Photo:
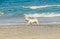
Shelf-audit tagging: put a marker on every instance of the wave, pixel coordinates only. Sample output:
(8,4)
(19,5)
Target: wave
(36,7)
(44,15)
(1,13)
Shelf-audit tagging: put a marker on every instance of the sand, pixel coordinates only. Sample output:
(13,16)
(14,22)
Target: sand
(30,32)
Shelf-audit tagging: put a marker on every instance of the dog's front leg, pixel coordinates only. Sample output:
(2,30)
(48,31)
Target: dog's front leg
(37,23)
(28,23)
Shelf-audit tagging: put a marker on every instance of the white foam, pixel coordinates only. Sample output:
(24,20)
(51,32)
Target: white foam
(1,13)
(36,7)
(50,23)
(44,15)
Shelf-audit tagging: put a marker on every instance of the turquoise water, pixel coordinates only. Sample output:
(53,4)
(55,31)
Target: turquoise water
(15,9)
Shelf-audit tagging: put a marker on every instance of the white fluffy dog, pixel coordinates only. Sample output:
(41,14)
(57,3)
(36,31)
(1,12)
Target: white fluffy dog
(30,21)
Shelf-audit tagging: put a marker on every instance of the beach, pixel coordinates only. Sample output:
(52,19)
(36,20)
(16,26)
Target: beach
(13,24)
(30,32)
(17,28)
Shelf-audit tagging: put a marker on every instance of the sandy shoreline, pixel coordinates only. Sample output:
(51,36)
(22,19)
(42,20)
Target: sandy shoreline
(30,32)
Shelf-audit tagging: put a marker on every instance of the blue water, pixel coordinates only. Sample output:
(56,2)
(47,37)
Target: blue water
(14,8)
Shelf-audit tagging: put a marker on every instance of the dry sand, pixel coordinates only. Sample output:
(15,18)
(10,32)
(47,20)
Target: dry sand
(30,32)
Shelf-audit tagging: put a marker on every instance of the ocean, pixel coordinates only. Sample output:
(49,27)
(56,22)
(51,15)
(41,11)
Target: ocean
(46,11)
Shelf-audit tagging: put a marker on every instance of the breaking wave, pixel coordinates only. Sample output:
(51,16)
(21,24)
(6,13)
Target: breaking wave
(36,7)
(44,15)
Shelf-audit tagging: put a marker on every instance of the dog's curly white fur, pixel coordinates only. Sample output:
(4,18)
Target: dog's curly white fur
(30,21)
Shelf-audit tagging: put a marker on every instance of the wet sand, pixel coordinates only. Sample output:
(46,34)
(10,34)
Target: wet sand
(30,32)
